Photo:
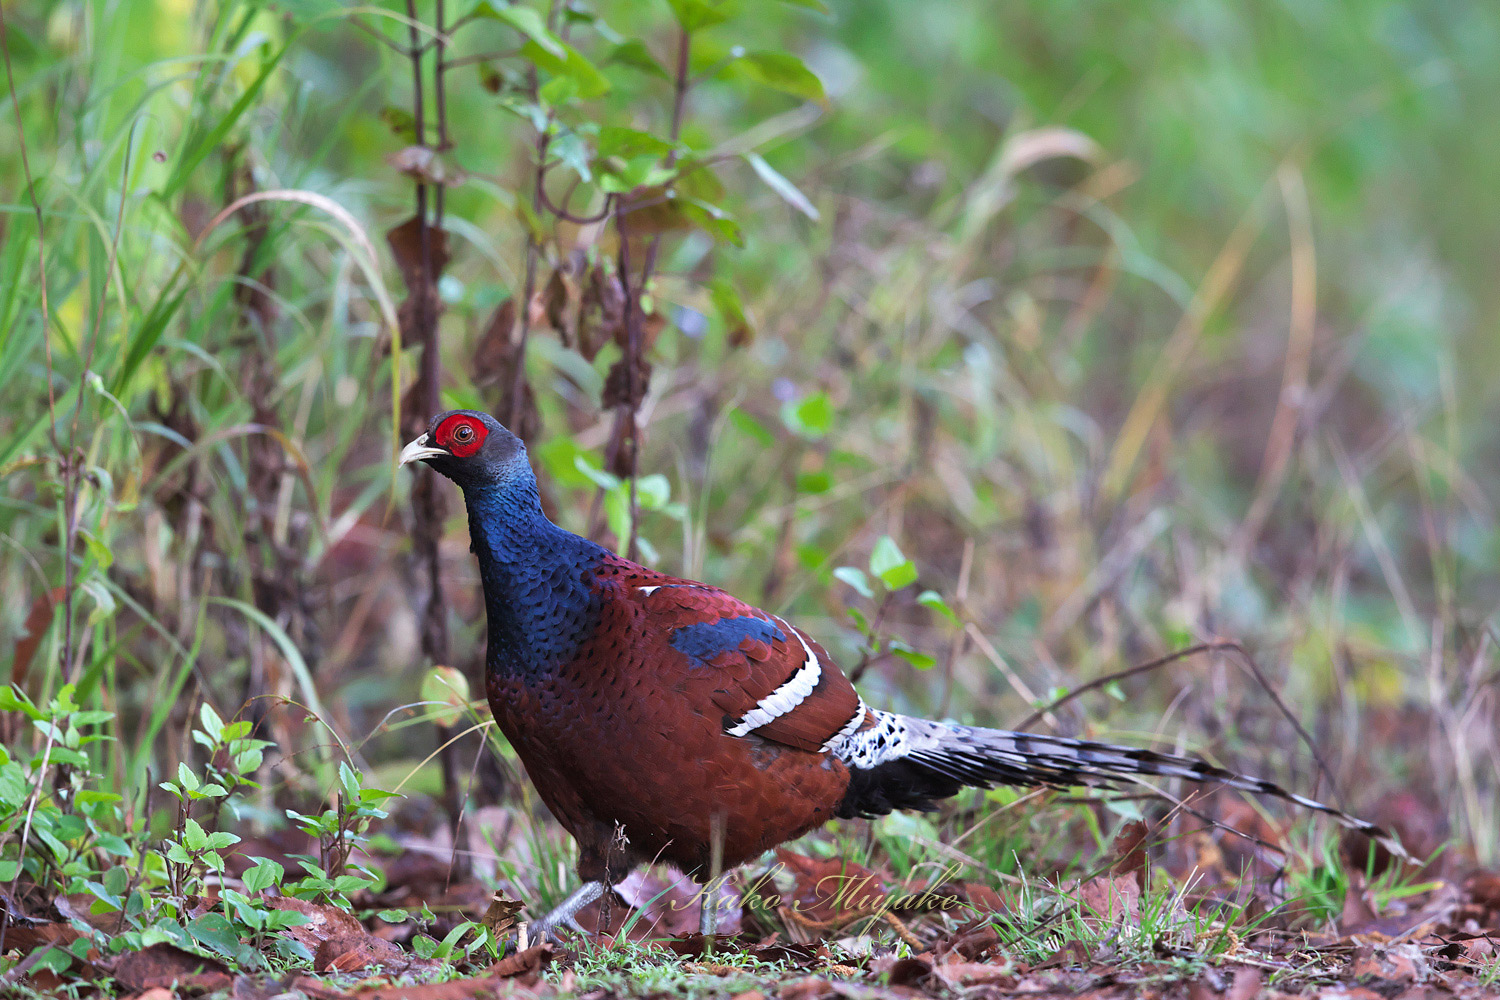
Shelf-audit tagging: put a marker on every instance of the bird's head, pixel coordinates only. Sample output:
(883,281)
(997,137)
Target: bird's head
(472,449)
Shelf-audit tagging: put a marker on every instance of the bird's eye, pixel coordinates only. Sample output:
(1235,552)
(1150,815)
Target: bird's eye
(463,434)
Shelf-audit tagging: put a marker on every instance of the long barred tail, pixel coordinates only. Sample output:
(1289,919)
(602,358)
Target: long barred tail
(899,762)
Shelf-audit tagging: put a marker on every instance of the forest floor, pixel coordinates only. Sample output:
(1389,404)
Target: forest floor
(1155,919)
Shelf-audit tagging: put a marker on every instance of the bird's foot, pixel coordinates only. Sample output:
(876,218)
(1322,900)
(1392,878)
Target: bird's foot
(564,915)
(708,917)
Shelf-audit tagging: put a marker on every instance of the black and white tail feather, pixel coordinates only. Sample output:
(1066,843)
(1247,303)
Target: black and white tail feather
(906,763)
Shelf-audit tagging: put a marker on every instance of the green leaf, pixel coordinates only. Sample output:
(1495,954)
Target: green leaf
(694,15)
(247,761)
(97,549)
(726,300)
(559,90)
(265,874)
(893,568)
(932,599)
(811,416)
(570,63)
(394,916)
(193,836)
(920,660)
(653,491)
(633,53)
(14,700)
(752,428)
(818,481)
(187,779)
(216,933)
(526,20)
(783,187)
(212,724)
(62,755)
(780,71)
(616,140)
(220,839)
(449,689)
(54,960)
(349,780)
(114,844)
(711,219)
(104,601)
(855,578)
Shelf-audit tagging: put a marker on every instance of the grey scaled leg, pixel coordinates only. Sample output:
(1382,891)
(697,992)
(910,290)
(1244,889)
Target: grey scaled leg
(563,914)
(708,919)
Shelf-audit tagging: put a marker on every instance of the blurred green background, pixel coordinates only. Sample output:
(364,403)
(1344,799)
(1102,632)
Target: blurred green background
(1130,324)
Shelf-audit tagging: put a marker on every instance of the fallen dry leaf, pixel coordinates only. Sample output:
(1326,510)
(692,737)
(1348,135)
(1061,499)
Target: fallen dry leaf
(455,989)
(500,915)
(1129,850)
(1247,983)
(960,974)
(811,988)
(338,941)
(1111,898)
(523,965)
(827,893)
(165,966)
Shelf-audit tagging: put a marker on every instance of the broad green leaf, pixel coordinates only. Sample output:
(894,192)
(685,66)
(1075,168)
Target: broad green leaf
(818,481)
(932,599)
(194,838)
(920,660)
(633,53)
(526,20)
(653,491)
(811,416)
(752,428)
(214,931)
(893,568)
(558,91)
(449,688)
(265,874)
(212,724)
(694,15)
(617,140)
(571,63)
(600,478)
(855,578)
(780,71)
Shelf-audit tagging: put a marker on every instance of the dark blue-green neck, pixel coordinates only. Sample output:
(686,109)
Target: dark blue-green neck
(538,579)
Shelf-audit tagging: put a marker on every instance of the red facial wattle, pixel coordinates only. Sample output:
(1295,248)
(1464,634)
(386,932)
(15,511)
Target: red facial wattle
(462,436)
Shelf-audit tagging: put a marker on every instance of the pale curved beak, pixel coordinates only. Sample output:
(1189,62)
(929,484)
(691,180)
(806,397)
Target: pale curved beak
(417,451)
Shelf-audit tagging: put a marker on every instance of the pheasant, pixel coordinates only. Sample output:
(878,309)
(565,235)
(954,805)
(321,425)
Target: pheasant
(664,719)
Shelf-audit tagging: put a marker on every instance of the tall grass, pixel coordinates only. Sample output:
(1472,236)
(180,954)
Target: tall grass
(1118,363)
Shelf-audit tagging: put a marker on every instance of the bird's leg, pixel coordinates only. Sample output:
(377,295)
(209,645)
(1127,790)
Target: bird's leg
(564,913)
(708,918)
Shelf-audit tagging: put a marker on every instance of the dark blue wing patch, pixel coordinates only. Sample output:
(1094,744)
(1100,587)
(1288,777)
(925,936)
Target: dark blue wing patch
(706,640)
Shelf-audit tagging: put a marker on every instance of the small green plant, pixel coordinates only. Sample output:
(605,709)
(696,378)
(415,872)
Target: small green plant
(338,829)
(890,572)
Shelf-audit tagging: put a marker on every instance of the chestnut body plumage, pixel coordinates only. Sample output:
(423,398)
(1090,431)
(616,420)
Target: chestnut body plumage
(682,717)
